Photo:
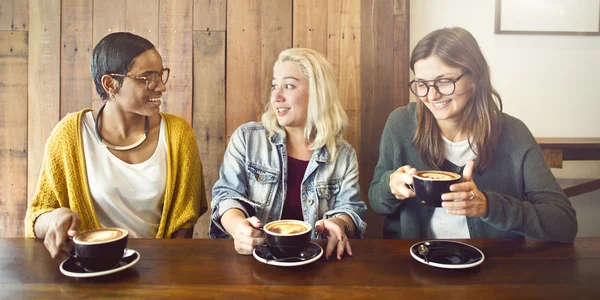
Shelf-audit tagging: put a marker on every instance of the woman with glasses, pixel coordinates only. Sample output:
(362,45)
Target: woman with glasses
(126,165)
(457,125)
(294,164)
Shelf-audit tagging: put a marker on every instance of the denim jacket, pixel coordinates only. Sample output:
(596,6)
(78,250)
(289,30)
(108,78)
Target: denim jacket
(253,178)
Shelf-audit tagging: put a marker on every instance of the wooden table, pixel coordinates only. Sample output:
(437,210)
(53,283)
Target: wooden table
(380,269)
(557,150)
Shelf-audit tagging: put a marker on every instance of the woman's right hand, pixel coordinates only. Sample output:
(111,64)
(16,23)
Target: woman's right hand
(247,235)
(399,180)
(61,224)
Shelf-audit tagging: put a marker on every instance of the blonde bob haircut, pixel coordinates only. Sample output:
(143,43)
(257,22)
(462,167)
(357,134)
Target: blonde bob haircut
(326,120)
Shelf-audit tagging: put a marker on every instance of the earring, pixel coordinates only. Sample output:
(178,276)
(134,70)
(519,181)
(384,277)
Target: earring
(112,94)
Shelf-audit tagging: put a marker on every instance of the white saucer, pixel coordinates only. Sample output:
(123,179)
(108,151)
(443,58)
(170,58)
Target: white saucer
(448,254)
(71,268)
(264,256)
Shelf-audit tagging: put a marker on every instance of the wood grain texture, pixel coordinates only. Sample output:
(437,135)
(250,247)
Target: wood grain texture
(13,132)
(553,157)
(209,110)
(43,82)
(310,25)
(276,36)
(343,51)
(377,87)
(175,45)
(76,49)
(210,15)
(379,269)
(582,188)
(243,84)
(14,15)
(143,19)
(401,51)
(109,17)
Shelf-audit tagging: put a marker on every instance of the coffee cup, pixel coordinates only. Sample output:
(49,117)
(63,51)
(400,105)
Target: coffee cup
(100,249)
(430,185)
(287,238)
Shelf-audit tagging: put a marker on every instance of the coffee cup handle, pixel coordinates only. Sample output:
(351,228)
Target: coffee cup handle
(410,186)
(72,252)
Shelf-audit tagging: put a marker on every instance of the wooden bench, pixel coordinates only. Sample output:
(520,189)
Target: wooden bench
(557,150)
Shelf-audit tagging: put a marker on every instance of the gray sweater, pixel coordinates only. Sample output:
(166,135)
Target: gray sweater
(523,196)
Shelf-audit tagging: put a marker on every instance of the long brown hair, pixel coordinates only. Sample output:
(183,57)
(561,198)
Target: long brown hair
(481,117)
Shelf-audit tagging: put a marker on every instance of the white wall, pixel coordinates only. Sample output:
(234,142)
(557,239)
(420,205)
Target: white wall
(550,82)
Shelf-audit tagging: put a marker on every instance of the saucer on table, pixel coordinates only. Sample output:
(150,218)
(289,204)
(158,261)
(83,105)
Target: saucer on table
(311,253)
(448,254)
(72,268)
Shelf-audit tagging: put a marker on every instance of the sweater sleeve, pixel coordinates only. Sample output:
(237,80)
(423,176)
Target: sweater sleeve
(545,213)
(189,197)
(381,198)
(51,190)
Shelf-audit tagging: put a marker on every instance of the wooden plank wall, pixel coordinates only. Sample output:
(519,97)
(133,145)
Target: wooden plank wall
(221,55)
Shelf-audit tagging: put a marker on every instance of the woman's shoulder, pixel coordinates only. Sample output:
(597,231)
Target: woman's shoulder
(251,129)
(176,123)
(515,133)
(68,125)
(405,115)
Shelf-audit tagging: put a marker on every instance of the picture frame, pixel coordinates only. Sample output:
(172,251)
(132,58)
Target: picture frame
(550,17)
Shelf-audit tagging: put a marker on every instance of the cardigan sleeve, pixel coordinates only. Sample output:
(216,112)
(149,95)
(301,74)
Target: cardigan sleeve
(51,191)
(545,212)
(189,196)
(382,200)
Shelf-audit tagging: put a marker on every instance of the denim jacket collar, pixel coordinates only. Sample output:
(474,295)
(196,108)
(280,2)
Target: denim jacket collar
(320,155)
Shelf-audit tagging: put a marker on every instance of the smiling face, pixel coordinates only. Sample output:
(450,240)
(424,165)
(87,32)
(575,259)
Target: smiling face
(444,108)
(134,96)
(289,95)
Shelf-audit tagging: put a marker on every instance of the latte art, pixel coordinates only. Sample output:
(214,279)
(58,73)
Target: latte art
(286,227)
(100,236)
(439,175)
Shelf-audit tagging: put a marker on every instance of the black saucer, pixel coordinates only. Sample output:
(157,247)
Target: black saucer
(311,253)
(448,254)
(72,268)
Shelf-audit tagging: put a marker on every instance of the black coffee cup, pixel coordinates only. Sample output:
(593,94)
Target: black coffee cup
(100,249)
(430,185)
(286,238)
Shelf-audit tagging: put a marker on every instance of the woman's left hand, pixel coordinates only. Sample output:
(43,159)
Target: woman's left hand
(465,199)
(337,239)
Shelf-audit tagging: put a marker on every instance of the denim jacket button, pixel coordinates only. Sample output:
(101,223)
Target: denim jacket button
(310,201)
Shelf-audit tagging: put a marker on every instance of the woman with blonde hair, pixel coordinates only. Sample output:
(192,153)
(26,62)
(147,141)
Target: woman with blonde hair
(457,125)
(294,164)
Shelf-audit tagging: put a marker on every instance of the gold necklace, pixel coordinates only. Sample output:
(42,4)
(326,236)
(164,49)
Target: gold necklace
(121,148)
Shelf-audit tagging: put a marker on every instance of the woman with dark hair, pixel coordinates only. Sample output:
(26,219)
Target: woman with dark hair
(457,125)
(126,165)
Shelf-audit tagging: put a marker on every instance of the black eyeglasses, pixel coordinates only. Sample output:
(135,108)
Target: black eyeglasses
(152,79)
(443,86)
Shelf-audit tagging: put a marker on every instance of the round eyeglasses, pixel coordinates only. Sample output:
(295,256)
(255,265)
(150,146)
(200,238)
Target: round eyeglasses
(443,86)
(152,78)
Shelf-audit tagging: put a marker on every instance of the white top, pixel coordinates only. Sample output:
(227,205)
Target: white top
(444,225)
(128,196)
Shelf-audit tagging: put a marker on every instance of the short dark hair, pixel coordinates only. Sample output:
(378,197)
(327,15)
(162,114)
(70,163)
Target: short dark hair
(115,53)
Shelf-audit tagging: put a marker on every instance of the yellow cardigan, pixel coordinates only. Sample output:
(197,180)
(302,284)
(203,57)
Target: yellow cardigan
(63,179)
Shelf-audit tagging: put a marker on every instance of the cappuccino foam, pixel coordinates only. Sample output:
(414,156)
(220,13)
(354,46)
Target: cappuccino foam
(287,228)
(100,236)
(437,175)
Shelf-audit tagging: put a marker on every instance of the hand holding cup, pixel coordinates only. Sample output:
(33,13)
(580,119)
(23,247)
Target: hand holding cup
(248,235)
(465,198)
(62,224)
(400,180)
